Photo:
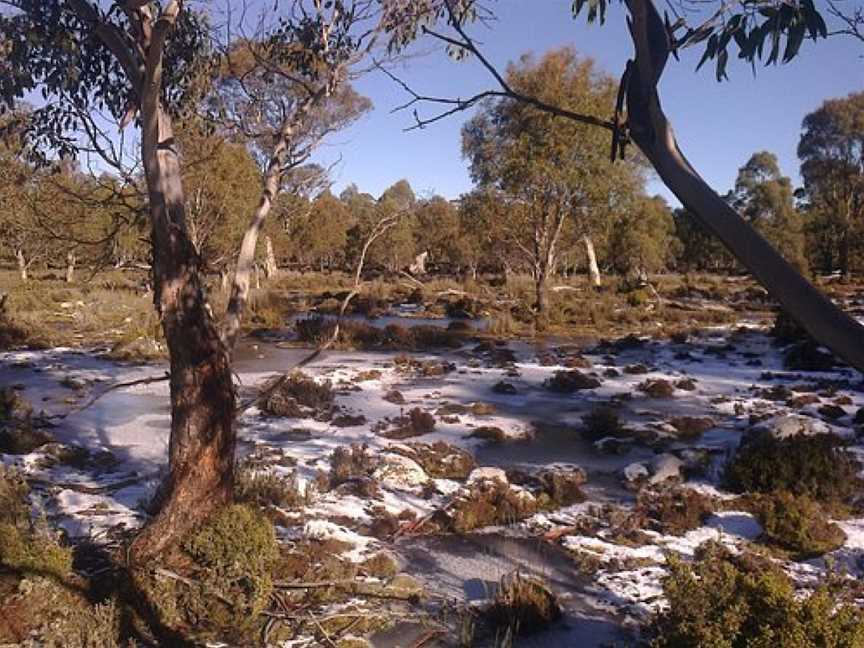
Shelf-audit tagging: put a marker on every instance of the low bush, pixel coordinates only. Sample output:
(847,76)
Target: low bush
(298,396)
(798,525)
(259,488)
(232,554)
(601,422)
(26,547)
(726,601)
(674,511)
(816,466)
(522,606)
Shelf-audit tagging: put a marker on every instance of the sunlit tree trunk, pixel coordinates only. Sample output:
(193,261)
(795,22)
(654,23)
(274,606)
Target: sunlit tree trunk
(270,267)
(593,268)
(70,267)
(22,264)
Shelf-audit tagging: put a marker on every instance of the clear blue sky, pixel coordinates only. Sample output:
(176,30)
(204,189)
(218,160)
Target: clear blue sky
(718,124)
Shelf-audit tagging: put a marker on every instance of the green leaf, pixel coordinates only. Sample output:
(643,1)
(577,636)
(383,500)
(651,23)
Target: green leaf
(710,50)
(722,59)
(793,41)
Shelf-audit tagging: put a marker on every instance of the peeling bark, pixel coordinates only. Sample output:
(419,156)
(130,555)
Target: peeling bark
(70,267)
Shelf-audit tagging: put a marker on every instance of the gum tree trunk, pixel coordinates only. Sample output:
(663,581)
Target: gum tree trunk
(593,268)
(270,267)
(652,133)
(201,447)
(70,267)
(22,264)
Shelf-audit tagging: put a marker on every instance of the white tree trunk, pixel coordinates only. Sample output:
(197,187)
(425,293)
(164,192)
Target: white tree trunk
(70,267)
(22,264)
(593,268)
(270,268)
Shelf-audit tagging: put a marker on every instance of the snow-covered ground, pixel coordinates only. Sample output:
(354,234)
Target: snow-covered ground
(730,372)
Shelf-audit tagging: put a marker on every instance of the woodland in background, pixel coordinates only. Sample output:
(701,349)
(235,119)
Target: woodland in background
(66,217)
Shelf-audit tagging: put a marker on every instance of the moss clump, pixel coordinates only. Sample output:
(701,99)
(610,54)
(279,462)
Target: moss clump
(815,466)
(798,525)
(722,601)
(23,547)
(233,554)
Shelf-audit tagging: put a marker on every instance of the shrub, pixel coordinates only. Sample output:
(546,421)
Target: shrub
(675,511)
(297,395)
(523,605)
(567,382)
(722,601)
(268,488)
(23,547)
(234,552)
(347,464)
(601,422)
(816,466)
(96,626)
(799,525)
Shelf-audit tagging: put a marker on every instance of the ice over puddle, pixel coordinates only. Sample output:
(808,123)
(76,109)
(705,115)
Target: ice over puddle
(132,424)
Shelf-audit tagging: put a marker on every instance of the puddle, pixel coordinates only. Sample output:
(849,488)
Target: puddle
(469,568)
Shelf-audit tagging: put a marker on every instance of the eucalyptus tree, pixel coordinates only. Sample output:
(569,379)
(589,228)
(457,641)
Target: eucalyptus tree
(284,89)
(832,166)
(555,175)
(765,198)
(772,31)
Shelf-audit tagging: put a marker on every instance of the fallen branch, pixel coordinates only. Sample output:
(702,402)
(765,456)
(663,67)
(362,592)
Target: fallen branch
(132,383)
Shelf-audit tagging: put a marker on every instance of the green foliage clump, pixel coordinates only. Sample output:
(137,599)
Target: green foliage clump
(523,605)
(31,553)
(601,422)
(234,553)
(23,548)
(727,601)
(815,466)
(96,626)
(798,525)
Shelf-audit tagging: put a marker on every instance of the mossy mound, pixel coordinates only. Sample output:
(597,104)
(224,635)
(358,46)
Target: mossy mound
(816,466)
(299,396)
(798,525)
(226,581)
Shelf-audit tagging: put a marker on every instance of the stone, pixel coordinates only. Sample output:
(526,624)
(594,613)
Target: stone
(664,467)
(791,425)
(636,472)
(399,471)
(832,412)
(488,473)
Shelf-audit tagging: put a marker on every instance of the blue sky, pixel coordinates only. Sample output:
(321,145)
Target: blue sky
(719,125)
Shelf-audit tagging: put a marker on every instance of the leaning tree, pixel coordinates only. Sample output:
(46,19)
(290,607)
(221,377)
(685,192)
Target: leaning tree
(760,30)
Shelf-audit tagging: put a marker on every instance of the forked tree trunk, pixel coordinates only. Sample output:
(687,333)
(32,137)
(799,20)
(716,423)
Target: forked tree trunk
(70,267)
(22,264)
(593,268)
(201,447)
(653,134)
(269,191)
